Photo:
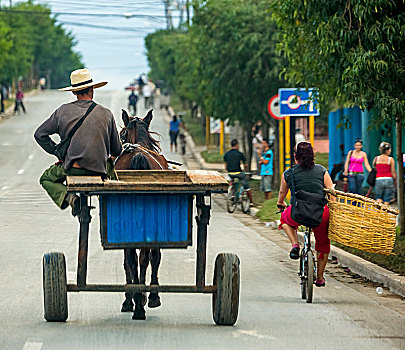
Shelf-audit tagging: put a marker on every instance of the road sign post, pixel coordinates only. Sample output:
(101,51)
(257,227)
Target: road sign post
(296,102)
(287,143)
(281,145)
(312,130)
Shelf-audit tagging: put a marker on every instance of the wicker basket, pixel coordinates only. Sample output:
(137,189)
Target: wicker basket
(360,222)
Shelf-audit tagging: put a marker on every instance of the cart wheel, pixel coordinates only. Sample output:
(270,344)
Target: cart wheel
(310,276)
(55,287)
(225,301)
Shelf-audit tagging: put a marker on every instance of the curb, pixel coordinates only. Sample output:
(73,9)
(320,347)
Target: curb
(364,268)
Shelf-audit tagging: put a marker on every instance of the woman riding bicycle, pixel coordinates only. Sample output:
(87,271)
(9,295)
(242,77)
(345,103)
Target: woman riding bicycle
(312,178)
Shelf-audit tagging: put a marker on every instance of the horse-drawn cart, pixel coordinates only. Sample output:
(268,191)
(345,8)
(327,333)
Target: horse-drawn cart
(147,209)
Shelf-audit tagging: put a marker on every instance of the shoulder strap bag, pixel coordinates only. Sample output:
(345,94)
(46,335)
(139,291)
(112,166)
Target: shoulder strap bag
(62,147)
(372,175)
(306,207)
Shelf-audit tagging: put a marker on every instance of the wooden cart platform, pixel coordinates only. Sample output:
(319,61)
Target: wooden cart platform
(151,181)
(142,209)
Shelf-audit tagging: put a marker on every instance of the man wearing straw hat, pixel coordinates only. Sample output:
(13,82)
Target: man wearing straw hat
(89,136)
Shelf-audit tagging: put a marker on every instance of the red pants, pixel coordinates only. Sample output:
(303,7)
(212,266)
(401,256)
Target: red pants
(322,242)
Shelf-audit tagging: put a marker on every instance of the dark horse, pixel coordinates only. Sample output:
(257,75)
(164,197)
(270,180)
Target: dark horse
(141,152)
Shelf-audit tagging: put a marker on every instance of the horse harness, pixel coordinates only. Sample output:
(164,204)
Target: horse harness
(129,147)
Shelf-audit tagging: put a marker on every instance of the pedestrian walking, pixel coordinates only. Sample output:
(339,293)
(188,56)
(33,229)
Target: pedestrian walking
(386,175)
(19,101)
(257,146)
(266,161)
(183,144)
(133,100)
(174,132)
(354,169)
(1,100)
(299,136)
(147,93)
(87,146)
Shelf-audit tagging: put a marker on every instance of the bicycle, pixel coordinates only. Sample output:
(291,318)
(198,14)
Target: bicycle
(307,267)
(237,194)
(307,270)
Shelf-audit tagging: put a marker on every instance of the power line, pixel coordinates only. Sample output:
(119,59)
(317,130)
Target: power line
(125,15)
(125,29)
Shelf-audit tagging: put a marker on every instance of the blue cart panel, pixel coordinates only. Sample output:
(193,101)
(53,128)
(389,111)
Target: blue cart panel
(146,220)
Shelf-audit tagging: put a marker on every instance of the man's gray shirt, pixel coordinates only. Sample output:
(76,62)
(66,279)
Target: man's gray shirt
(93,142)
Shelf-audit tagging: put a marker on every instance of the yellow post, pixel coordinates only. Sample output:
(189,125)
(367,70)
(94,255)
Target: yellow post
(288,157)
(222,138)
(287,143)
(281,146)
(207,131)
(312,129)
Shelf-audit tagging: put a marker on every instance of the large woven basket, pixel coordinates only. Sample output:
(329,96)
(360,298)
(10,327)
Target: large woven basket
(360,222)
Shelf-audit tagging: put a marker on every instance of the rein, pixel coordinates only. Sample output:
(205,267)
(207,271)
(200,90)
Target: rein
(129,147)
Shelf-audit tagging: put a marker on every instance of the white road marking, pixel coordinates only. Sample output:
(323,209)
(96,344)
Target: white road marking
(4,188)
(252,333)
(31,156)
(32,346)
(6,144)
(21,171)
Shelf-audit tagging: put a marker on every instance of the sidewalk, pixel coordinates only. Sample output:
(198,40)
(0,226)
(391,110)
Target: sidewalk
(364,268)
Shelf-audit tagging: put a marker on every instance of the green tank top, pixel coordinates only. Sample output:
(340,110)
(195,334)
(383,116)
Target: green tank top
(310,180)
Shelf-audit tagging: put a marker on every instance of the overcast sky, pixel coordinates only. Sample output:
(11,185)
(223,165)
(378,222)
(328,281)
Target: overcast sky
(114,55)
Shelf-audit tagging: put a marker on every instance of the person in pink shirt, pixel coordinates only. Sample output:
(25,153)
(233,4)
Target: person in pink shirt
(386,174)
(19,101)
(354,169)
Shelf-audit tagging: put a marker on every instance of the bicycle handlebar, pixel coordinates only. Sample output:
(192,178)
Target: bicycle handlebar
(281,207)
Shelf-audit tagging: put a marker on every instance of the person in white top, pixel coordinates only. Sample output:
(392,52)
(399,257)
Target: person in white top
(147,93)
(299,136)
(257,148)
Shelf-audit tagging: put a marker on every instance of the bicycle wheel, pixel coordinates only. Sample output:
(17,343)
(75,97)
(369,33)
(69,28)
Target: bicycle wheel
(302,276)
(231,200)
(245,202)
(310,276)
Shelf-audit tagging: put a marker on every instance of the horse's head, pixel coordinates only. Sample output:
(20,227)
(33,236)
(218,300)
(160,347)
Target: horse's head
(136,130)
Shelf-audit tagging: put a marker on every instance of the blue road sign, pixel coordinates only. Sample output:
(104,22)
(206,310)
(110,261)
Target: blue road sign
(298,102)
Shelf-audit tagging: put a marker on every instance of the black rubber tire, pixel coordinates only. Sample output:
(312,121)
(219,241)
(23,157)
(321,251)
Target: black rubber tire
(303,280)
(55,287)
(245,203)
(231,204)
(310,277)
(225,301)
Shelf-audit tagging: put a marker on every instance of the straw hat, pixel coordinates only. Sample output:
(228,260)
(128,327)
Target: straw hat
(81,79)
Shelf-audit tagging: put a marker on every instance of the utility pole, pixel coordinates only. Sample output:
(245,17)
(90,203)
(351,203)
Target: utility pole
(168,14)
(188,12)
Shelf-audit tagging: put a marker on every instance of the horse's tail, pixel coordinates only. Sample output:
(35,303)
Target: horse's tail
(139,162)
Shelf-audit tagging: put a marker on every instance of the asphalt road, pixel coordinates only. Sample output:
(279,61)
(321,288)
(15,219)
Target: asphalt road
(347,314)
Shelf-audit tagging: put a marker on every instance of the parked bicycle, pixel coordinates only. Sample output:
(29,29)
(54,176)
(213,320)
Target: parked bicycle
(237,195)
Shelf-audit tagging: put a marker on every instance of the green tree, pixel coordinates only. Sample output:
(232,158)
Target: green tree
(354,51)
(225,61)
(37,45)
